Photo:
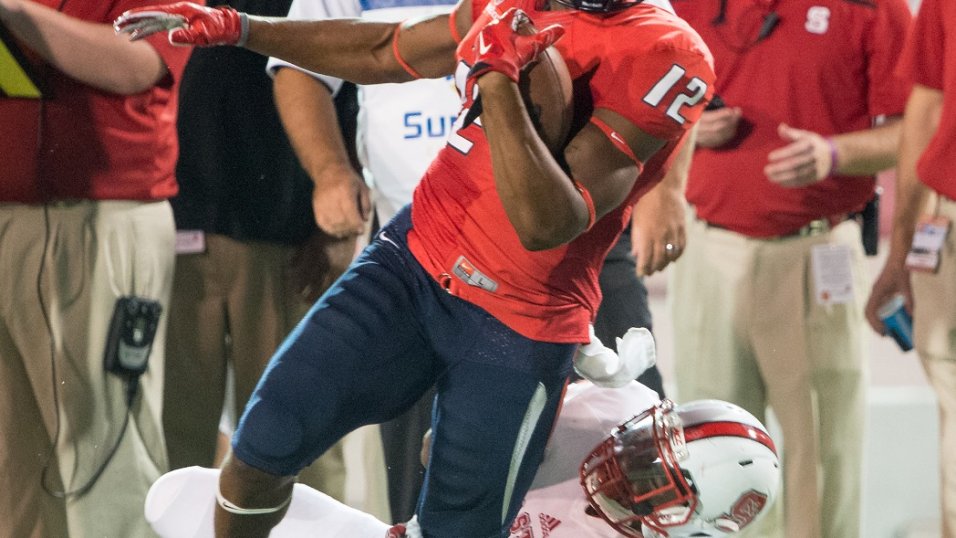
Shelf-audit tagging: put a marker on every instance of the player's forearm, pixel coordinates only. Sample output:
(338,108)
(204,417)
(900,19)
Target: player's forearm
(89,52)
(675,179)
(539,198)
(346,48)
(919,124)
(308,115)
(867,152)
(353,49)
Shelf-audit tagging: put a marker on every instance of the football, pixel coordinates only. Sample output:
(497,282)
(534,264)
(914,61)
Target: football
(546,88)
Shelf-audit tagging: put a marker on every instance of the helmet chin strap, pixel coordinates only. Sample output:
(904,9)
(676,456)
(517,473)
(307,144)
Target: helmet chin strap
(599,6)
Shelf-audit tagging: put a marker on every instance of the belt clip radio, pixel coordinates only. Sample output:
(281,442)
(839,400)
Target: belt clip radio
(870,223)
(131,334)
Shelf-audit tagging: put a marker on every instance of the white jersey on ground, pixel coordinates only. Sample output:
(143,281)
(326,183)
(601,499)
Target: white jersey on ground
(555,507)
(401,127)
(181,503)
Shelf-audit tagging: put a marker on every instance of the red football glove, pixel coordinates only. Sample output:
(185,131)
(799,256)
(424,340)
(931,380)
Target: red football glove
(187,23)
(500,47)
(503,48)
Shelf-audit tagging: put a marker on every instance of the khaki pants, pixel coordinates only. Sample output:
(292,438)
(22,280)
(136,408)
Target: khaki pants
(749,330)
(61,271)
(934,328)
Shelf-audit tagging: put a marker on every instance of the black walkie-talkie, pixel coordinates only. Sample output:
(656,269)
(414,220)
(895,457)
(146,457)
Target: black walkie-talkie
(131,333)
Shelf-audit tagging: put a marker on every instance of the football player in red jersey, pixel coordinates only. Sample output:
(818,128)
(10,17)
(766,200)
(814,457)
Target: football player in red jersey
(535,225)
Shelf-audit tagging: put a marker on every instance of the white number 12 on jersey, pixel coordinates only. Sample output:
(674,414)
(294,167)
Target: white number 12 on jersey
(696,86)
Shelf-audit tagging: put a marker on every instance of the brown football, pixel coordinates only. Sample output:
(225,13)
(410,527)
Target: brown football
(546,88)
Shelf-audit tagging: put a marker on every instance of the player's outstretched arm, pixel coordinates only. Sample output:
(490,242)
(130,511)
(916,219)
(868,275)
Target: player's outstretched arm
(360,51)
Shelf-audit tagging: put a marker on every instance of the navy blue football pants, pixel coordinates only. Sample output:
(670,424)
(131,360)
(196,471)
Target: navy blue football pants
(371,346)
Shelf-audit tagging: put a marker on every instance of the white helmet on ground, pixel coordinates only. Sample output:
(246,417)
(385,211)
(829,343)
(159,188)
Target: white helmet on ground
(707,468)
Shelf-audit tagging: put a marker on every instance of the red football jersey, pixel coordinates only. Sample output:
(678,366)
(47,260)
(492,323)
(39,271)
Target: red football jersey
(927,60)
(643,63)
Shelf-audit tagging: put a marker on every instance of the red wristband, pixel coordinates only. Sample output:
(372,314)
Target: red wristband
(398,56)
(453,25)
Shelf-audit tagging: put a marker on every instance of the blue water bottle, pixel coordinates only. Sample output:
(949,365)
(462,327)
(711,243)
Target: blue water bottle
(898,322)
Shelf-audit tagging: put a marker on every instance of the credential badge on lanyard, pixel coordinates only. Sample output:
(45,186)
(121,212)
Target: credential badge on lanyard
(928,240)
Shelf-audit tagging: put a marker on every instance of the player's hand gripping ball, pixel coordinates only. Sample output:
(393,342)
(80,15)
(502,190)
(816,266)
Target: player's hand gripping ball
(509,44)
(545,86)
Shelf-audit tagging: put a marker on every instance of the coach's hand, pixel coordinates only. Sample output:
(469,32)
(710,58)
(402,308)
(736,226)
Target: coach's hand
(807,158)
(718,127)
(657,229)
(187,24)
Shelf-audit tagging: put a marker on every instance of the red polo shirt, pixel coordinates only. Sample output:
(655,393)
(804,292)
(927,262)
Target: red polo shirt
(826,67)
(928,59)
(84,143)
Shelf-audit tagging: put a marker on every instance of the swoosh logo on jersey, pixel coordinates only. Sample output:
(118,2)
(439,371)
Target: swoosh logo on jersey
(482,47)
(387,239)
(617,138)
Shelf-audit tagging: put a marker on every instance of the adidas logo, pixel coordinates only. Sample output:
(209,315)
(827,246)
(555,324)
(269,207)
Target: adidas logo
(548,524)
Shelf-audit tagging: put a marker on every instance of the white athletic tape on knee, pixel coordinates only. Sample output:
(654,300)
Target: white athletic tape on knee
(232,508)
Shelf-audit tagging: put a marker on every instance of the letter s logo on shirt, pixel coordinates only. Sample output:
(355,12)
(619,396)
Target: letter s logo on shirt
(818,20)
